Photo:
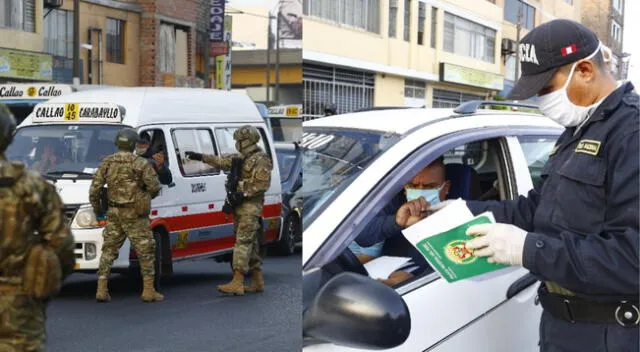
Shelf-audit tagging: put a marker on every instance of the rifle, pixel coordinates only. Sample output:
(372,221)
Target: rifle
(231,185)
(103,202)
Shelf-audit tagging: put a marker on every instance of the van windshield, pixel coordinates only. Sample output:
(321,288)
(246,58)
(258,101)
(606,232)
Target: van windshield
(59,150)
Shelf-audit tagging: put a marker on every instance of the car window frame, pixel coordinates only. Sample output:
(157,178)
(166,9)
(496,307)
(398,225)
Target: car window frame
(358,217)
(176,150)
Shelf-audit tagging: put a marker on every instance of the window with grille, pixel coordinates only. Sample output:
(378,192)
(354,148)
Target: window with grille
(363,14)
(434,26)
(463,37)
(115,41)
(414,88)
(513,7)
(616,31)
(422,9)
(58,33)
(349,90)
(451,99)
(18,14)
(393,18)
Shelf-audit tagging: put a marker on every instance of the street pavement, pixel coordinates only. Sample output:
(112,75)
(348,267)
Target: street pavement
(193,317)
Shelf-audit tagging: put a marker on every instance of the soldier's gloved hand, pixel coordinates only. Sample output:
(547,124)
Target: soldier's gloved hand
(193,156)
(502,243)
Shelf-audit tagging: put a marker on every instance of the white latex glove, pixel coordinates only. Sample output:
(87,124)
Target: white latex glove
(502,243)
(441,205)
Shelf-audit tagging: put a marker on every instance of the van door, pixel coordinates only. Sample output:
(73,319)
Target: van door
(192,209)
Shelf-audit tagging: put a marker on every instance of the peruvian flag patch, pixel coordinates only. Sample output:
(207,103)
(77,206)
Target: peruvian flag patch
(568,50)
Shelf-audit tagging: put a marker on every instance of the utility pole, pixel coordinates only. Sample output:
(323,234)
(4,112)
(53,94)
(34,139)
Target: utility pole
(278,58)
(207,54)
(518,28)
(269,59)
(76,42)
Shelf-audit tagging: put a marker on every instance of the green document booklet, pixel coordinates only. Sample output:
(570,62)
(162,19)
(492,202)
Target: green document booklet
(441,239)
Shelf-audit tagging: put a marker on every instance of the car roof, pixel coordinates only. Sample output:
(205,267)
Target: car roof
(401,121)
(149,105)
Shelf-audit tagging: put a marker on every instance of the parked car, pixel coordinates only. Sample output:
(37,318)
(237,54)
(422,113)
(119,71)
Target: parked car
(289,157)
(354,164)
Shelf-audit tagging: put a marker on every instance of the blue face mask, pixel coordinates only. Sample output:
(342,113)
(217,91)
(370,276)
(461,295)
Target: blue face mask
(430,195)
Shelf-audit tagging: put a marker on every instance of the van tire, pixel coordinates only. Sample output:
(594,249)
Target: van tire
(287,243)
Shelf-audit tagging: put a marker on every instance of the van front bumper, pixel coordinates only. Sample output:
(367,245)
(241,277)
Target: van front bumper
(88,250)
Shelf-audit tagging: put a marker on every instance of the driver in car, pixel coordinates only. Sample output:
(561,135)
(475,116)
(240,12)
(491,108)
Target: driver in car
(50,157)
(428,187)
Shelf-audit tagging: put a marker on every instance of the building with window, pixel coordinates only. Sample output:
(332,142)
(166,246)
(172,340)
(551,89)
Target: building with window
(528,13)
(433,53)
(36,43)
(606,18)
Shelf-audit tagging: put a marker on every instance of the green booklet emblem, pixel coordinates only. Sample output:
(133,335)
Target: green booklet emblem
(447,253)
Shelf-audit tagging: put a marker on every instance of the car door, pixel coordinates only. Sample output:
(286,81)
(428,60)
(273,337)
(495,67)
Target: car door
(447,316)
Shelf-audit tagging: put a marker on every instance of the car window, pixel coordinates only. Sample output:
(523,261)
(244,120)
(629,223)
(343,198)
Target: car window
(158,143)
(475,170)
(227,144)
(331,160)
(536,151)
(199,140)
(286,160)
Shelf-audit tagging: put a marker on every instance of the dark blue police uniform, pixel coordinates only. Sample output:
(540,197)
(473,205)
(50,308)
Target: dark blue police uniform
(582,222)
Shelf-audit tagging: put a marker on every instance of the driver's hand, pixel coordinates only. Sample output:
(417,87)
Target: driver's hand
(159,159)
(412,212)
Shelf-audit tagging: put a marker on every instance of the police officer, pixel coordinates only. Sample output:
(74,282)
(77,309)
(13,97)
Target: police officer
(254,181)
(36,249)
(131,184)
(577,231)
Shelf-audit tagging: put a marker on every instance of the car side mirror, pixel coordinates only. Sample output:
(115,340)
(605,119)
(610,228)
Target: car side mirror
(356,311)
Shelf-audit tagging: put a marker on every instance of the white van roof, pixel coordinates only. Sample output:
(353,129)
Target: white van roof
(151,105)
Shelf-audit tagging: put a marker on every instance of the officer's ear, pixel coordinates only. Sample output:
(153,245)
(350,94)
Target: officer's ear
(585,71)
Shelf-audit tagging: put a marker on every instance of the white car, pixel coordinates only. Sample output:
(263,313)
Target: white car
(354,164)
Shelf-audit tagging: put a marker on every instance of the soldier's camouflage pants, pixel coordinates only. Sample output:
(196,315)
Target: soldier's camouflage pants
(121,224)
(22,321)
(247,226)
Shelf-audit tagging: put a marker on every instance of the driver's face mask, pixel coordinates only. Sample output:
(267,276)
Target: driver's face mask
(432,196)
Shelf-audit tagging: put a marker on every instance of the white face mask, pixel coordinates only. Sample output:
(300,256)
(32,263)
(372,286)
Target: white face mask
(557,106)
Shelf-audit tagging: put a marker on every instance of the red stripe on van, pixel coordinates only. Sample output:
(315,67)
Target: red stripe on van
(194,221)
(200,247)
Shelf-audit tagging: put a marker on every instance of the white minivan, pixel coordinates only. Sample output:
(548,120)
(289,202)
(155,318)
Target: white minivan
(66,138)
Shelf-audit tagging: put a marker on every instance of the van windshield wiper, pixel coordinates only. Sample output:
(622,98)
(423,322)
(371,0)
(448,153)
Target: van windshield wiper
(53,174)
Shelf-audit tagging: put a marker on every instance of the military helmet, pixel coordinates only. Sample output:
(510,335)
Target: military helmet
(7,127)
(126,139)
(247,134)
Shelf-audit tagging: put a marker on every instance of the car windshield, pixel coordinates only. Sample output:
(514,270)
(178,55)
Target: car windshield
(332,159)
(286,161)
(59,150)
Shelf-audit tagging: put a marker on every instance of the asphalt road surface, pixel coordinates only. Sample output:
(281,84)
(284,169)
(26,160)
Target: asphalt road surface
(193,317)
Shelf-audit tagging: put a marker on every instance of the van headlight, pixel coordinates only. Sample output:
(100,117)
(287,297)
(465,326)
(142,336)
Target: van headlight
(90,252)
(86,218)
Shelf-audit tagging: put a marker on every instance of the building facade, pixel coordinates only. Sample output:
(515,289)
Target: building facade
(433,53)
(606,18)
(36,43)
(529,13)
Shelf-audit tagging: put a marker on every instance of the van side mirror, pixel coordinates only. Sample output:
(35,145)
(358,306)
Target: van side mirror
(356,311)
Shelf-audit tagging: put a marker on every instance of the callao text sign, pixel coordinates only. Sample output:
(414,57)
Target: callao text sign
(217,20)
(33,91)
(74,112)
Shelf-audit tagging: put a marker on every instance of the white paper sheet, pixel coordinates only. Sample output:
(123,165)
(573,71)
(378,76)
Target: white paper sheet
(382,267)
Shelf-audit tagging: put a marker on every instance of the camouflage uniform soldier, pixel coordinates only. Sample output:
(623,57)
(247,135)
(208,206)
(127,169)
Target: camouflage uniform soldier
(254,181)
(36,249)
(131,184)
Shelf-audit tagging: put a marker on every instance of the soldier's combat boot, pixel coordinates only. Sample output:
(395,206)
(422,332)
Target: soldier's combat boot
(102,293)
(149,293)
(257,282)
(236,286)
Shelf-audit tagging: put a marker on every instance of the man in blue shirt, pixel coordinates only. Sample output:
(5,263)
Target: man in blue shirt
(428,187)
